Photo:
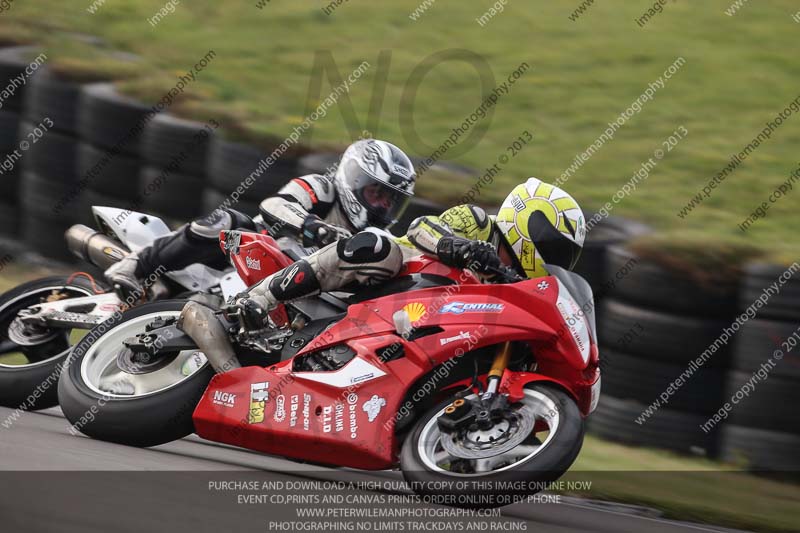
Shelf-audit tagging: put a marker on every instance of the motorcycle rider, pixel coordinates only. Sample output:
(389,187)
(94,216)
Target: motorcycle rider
(537,224)
(373,185)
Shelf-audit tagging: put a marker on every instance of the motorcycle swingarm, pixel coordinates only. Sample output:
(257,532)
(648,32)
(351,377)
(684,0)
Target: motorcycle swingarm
(77,313)
(160,339)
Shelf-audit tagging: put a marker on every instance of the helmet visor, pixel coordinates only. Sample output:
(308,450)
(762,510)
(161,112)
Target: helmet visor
(554,247)
(384,202)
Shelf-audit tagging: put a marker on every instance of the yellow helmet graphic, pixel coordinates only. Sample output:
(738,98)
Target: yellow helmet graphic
(541,224)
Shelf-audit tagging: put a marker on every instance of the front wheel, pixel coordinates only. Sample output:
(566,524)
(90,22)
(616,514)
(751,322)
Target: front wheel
(533,444)
(109,394)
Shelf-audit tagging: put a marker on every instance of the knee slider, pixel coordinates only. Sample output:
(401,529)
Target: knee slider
(294,281)
(209,226)
(241,221)
(364,247)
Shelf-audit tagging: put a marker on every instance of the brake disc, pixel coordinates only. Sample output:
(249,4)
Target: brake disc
(503,437)
(25,335)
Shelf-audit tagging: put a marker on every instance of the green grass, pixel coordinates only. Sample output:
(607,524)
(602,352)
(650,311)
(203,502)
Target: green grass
(740,71)
(686,488)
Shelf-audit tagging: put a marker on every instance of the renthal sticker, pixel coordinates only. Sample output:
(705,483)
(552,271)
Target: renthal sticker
(461,336)
(373,407)
(280,410)
(352,401)
(458,308)
(259,395)
(254,264)
(225,399)
(294,405)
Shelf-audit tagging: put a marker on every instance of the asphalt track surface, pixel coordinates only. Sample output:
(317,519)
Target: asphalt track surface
(54,481)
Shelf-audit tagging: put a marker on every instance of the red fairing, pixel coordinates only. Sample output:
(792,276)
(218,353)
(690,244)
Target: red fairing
(254,255)
(346,417)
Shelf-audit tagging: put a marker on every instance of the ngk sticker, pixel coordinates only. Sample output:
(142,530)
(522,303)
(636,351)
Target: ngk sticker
(225,399)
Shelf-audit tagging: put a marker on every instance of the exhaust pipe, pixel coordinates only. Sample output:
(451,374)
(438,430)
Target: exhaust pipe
(205,329)
(95,247)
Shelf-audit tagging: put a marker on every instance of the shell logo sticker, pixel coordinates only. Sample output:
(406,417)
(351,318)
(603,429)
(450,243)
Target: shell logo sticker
(415,310)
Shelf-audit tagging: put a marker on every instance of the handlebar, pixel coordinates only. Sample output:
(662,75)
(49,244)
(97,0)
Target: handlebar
(505,274)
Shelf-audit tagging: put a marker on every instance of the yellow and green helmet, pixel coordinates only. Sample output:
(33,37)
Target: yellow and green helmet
(541,224)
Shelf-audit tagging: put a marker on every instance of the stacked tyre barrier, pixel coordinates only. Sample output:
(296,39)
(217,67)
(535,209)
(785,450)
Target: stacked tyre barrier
(239,175)
(761,428)
(110,130)
(12,65)
(660,380)
(48,136)
(173,177)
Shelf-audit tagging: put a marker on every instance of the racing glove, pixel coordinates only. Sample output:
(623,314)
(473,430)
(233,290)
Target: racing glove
(458,252)
(252,314)
(315,232)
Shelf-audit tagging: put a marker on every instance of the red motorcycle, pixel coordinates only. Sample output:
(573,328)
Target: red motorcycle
(451,378)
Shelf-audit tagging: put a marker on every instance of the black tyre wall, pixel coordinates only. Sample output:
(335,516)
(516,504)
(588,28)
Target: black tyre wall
(631,377)
(115,175)
(666,337)
(616,420)
(230,164)
(171,193)
(108,119)
(49,97)
(785,305)
(651,285)
(13,62)
(592,262)
(170,142)
(213,199)
(760,449)
(53,156)
(758,341)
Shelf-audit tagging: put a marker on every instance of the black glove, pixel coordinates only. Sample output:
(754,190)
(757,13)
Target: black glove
(458,252)
(317,233)
(251,315)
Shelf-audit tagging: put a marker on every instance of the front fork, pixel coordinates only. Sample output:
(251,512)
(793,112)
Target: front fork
(485,411)
(499,366)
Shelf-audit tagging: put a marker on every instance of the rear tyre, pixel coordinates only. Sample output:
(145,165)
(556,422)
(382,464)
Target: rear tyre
(28,374)
(135,405)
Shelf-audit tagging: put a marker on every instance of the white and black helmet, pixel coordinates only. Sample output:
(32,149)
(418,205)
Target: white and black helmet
(374,182)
